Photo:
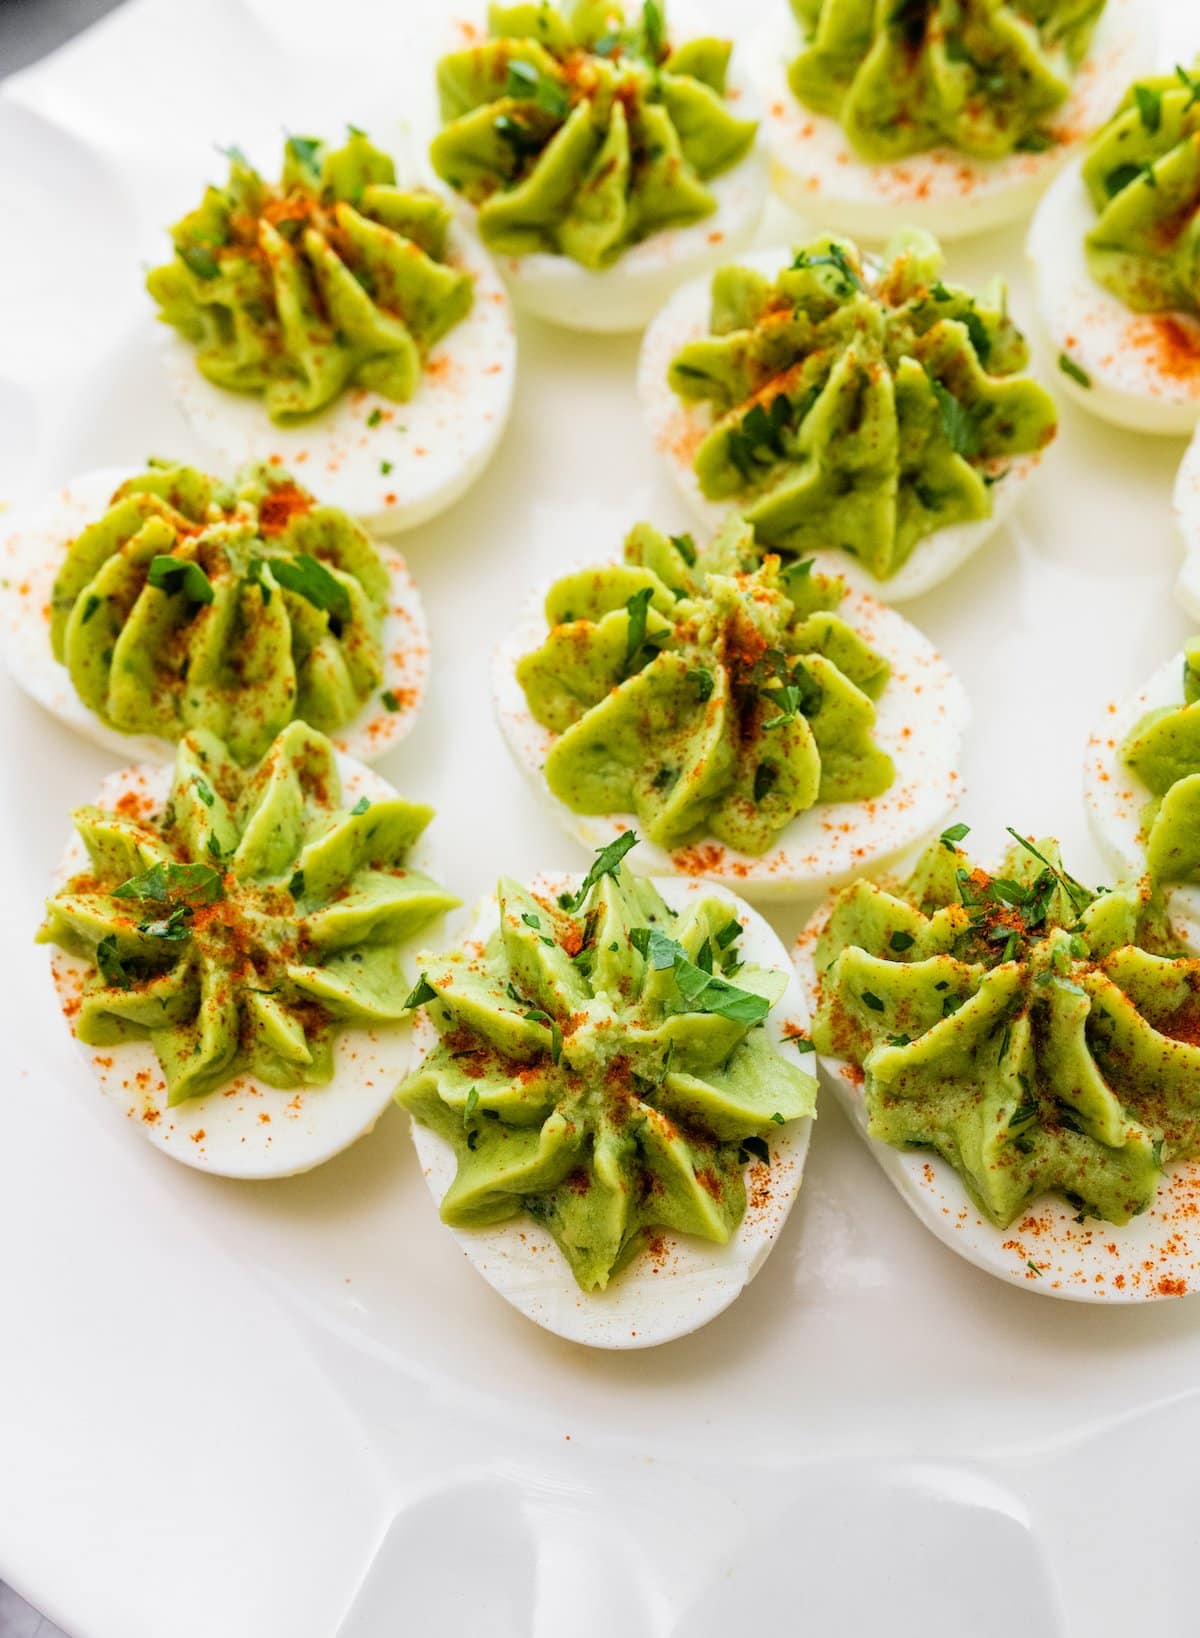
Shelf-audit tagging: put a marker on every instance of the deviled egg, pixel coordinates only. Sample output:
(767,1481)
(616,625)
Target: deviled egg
(232,947)
(1020,1055)
(931,114)
(1142,788)
(838,401)
(342,326)
(610,1109)
(766,726)
(607,160)
(1113,254)
(140,607)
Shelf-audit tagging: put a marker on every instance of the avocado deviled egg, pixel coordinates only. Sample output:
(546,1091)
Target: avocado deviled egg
(607,159)
(935,113)
(233,949)
(338,323)
(611,1109)
(1113,249)
(140,607)
(761,724)
(1142,787)
(840,402)
(1020,1053)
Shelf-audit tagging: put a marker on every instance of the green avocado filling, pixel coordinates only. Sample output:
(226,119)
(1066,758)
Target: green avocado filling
(1142,173)
(235,608)
(708,693)
(600,1069)
(1163,750)
(580,134)
(1037,1035)
(330,278)
(857,405)
(240,927)
(904,76)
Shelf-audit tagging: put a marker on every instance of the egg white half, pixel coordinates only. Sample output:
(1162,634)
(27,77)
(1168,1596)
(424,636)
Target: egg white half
(1045,1250)
(32,551)
(661,1295)
(433,448)
(246,1128)
(815,169)
(922,715)
(678,426)
(1143,368)
(1187,516)
(1115,797)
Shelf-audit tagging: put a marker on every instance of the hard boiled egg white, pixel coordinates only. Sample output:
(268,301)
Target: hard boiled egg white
(1187,515)
(665,1293)
(31,554)
(1115,796)
(922,716)
(1142,369)
(814,167)
(390,465)
(678,426)
(1046,1250)
(247,1129)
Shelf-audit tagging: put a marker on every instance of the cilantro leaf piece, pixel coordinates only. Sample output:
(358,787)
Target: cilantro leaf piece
(162,882)
(1149,106)
(311,580)
(1076,372)
(606,863)
(180,574)
(960,424)
(422,992)
(111,967)
(361,806)
(953,835)
(636,636)
(200,259)
(701,990)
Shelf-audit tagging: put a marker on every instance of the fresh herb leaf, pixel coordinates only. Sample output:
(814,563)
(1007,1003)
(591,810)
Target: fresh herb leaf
(111,967)
(91,604)
(701,990)
(654,31)
(310,579)
(606,863)
(953,835)
(755,1146)
(180,574)
(702,681)
(900,942)
(1034,142)
(980,337)
(962,426)
(471,1105)
(422,992)
(686,547)
(306,151)
(1077,373)
(361,806)
(255,576)
(203,790)
(870,999)
(766,777)
(199,259)
(729,934)
(635,637)
(1191,84)
(296,884)
(1149,106)
(375,417)
(389,699)
(162,882)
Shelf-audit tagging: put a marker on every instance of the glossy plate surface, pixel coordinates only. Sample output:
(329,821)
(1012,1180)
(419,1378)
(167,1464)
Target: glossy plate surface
(292,1409)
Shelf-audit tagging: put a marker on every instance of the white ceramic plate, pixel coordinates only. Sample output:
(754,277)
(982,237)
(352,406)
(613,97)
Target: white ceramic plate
(292,1409)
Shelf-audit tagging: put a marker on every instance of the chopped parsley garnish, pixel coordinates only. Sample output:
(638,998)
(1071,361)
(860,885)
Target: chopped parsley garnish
(389,699)
(701,989)
(953,835)
(980,337)
(180,574)
(1035,142)
(1077,373)
(702,681)
(525,83)
(766,777)
(375,417)
(1078,895)
(203,790)
(654,31)
(606,863)
(306,151)
(835,257)
(91,604)
(111,967)
(199,259)
(635,638)
(870,999)
(961,425)
(755,1146)
(1191,84)
(255,575)
(901,941)
(539,1017)
(361,806)
(385,467)
(296,884)
(1149,106)
(162,882)
(422,992)
(686,547)
(310,579)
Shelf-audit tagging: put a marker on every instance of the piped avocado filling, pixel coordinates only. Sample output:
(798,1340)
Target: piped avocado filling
(1142,173)
(602,1067)
(709,692)
(580,133)
(903,76)
(858,405)
(330,278)
(1163,750)
(233,608)
(242,925)
(1040,1036)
